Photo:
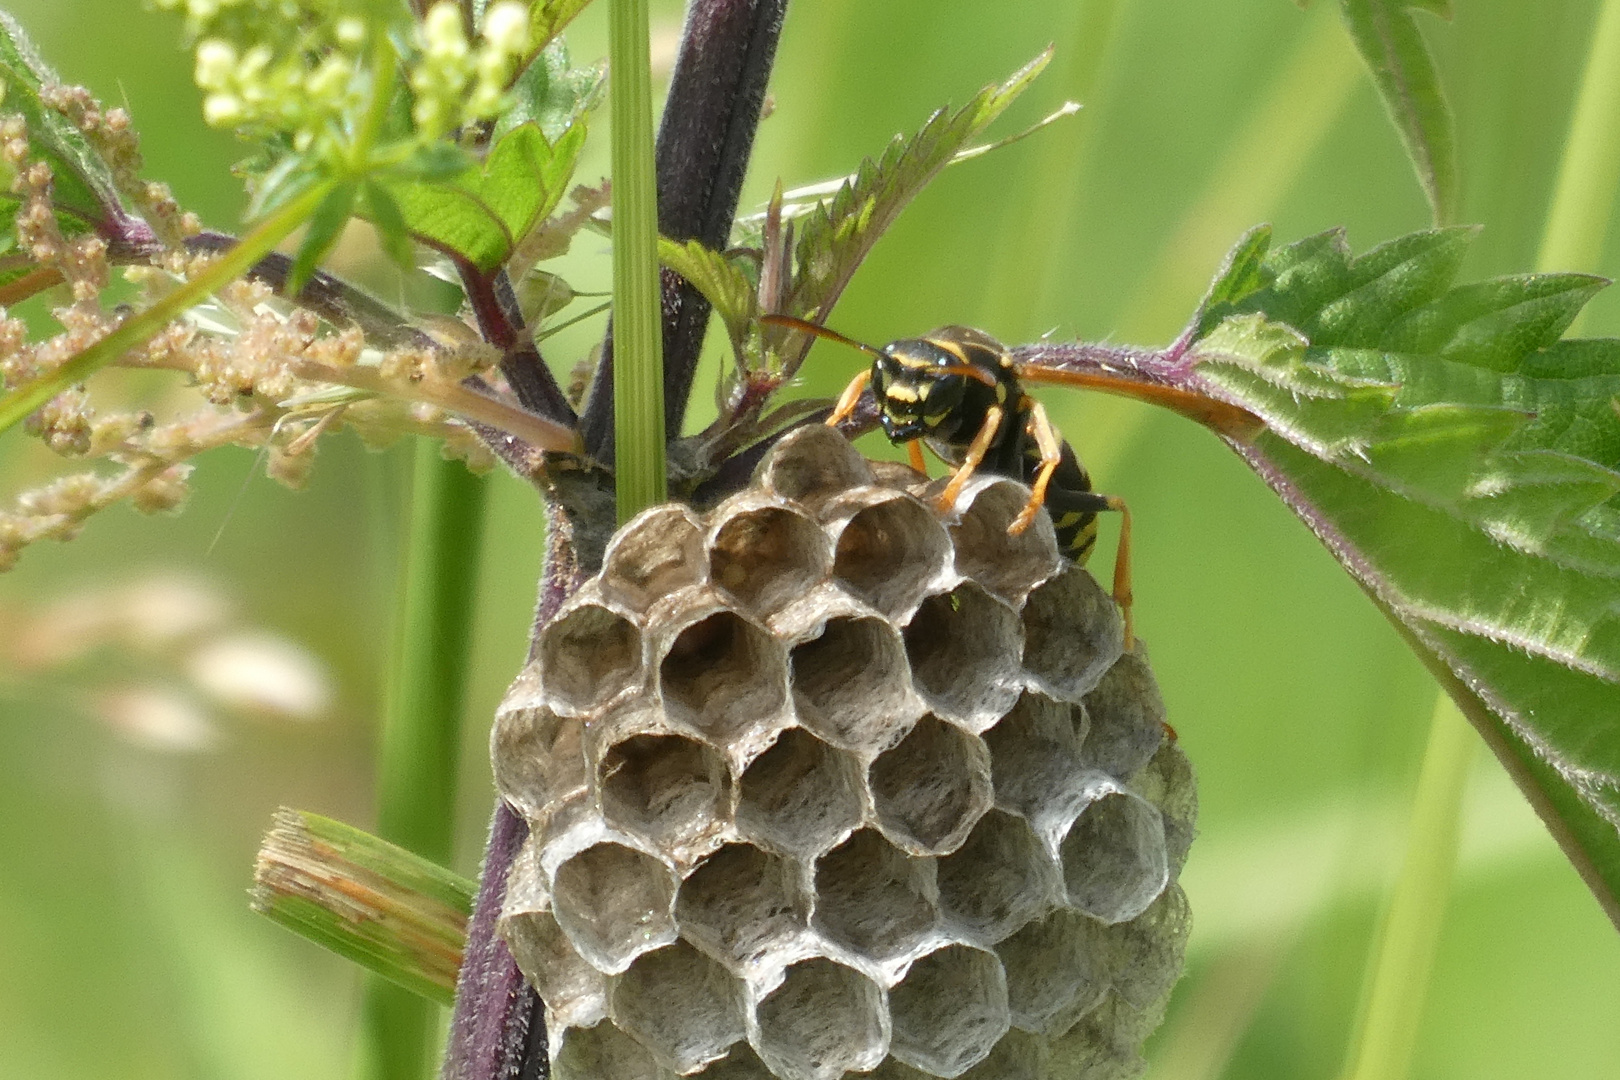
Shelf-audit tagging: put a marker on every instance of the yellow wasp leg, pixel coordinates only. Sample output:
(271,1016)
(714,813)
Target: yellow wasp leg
(970,460)
(1122,568)
(914,448)
(846,401)
(1046,438)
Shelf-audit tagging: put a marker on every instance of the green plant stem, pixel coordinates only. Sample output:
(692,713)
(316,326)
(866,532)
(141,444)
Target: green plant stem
(638,363)
(369,901)
(143,324)
(1589,172)
(1398,980)
(421,736)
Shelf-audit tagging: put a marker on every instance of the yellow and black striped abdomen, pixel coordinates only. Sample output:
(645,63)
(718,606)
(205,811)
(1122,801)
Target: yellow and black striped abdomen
(1070,502)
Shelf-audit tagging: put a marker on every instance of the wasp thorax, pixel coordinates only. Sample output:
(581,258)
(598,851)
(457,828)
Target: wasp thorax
(818,783)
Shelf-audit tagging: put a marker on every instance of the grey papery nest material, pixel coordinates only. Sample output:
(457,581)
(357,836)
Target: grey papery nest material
(818,783)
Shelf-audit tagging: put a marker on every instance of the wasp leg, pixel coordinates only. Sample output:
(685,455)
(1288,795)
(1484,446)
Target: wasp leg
(1051,447)
(914,448)
(1122,568)
(970,460)
(846,401)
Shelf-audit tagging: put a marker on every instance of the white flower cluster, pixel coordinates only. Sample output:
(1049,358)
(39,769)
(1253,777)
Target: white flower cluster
(311,84)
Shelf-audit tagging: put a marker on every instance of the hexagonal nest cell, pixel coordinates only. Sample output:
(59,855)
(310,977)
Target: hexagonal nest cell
(820,784)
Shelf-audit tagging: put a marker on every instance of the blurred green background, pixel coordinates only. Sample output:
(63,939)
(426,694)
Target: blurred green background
(126,945)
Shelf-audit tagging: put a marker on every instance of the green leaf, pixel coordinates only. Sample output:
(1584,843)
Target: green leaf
(548,18)
(837,235)
(391,911)
(82,185)
(392,231)
(1404,72)
(719,279)
(481,213)
(1464,464)
(552,93)
(325,227)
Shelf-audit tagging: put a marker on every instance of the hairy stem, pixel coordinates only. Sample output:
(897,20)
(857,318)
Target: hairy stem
(500,322)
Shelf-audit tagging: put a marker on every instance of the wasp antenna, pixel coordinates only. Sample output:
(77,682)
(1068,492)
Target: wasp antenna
(791,323)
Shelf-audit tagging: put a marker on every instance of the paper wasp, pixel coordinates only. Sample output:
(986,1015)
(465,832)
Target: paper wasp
(960,391)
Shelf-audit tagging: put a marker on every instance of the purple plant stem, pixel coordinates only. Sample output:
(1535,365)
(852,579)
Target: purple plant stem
(501,324)
(704,139)
(498,1028)
(494,1039)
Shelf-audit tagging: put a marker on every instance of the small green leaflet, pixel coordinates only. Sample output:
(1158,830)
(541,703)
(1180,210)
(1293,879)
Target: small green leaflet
(836,236)
(1463,463)
(83,193)
(1403,70)
(552,93)
(726,287)
(481,214)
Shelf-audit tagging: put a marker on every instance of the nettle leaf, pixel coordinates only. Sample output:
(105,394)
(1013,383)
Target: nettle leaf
(730,291)
(1463,463)
(1402,68)
(836,236)
(480,214)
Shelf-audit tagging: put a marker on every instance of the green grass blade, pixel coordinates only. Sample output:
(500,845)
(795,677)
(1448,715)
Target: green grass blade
(638,339)
(418,756)
(1398,979)
(1403,70)
(392,912)
(1589,172)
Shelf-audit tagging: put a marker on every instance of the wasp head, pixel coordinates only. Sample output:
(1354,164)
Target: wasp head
(918,386)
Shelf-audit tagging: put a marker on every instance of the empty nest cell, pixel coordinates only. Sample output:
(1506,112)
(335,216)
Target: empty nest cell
(574,992)
(930,789)
(1037,769)
(949,1011)
(614,903)
(964,647)
(997,881)
(724,676)
(588,656)
(603,1050)
(1113,858)
(1072,634)
(742,903)
(801,795)
(667,789)
(1057,969)
(822,1021)
(768,556)
(873,898)
(680,1005)
(890,553)
(538,758)
(1126,717)
(657,553)
(850,683)
(811,465)
(1145,953)
(1007,565)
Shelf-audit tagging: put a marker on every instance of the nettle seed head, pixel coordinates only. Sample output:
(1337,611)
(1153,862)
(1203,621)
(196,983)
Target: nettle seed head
(818,783)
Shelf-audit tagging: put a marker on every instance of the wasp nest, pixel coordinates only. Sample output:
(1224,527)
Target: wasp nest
(818,784)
